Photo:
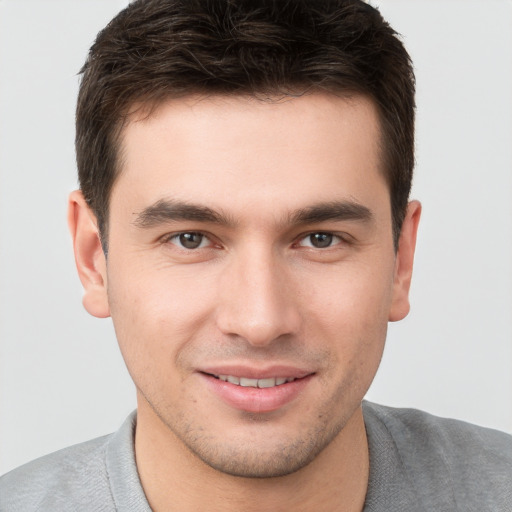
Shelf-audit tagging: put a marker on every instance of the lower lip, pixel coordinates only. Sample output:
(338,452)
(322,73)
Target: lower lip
(256,400)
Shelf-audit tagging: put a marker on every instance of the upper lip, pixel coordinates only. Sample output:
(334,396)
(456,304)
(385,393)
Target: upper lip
(252,372)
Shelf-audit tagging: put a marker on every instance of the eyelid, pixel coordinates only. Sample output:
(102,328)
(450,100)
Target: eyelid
(167,238)
(343,238)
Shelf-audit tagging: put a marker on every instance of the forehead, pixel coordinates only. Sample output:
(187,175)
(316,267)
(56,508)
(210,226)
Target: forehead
(233,150)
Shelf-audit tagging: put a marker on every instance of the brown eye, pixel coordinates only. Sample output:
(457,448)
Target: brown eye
(189,240)
(320,240)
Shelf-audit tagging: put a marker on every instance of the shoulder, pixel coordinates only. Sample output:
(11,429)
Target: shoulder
(407,422)
(451,437)
(444,456)
(73,476)
(99,475)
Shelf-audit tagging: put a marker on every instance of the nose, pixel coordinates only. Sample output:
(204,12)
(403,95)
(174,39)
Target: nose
(257,300)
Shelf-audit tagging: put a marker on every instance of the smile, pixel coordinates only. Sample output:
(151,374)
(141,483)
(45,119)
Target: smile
(255,383)
(257,391)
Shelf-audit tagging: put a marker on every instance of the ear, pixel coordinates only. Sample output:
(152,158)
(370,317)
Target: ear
(89,257)
(404,263)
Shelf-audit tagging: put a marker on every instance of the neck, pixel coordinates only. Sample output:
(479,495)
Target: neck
(175,479)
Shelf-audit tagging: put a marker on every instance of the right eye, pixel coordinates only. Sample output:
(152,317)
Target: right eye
(189,240)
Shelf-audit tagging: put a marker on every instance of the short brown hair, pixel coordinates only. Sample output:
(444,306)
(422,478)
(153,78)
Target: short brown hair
(159,49)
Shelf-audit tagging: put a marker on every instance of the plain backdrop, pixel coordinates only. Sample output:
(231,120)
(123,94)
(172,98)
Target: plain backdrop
(62,379)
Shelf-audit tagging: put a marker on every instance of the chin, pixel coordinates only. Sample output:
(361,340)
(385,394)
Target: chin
(270,456)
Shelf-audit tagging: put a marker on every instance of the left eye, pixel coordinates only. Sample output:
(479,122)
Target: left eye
(189,240)
(320,240)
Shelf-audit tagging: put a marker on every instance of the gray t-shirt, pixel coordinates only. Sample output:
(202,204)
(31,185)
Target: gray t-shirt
(418,462)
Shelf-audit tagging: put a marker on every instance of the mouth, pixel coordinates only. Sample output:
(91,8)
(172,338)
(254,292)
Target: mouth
(247,391)
(248,382)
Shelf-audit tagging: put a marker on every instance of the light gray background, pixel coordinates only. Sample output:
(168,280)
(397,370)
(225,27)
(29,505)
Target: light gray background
(62,379)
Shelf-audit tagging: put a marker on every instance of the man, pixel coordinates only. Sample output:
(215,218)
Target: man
(243,216)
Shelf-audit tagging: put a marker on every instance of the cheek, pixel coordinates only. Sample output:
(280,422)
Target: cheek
(354,296)
(156,312)
(349,310)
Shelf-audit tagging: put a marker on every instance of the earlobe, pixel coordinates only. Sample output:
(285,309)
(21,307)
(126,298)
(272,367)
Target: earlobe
(89,256)
(404,263)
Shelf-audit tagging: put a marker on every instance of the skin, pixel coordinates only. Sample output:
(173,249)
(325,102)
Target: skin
(255,293)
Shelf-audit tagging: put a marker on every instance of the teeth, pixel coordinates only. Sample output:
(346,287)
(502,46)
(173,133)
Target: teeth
(266,383)
(248,383)
(255,383)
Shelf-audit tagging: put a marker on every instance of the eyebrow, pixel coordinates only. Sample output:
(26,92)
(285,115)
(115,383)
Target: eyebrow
(166,210)
(334,210)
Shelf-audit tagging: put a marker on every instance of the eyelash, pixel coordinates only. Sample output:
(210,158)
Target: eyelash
(331,236)
(177,236)
(204,237)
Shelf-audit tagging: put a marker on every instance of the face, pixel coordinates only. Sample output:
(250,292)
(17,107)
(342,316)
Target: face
(251,273)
